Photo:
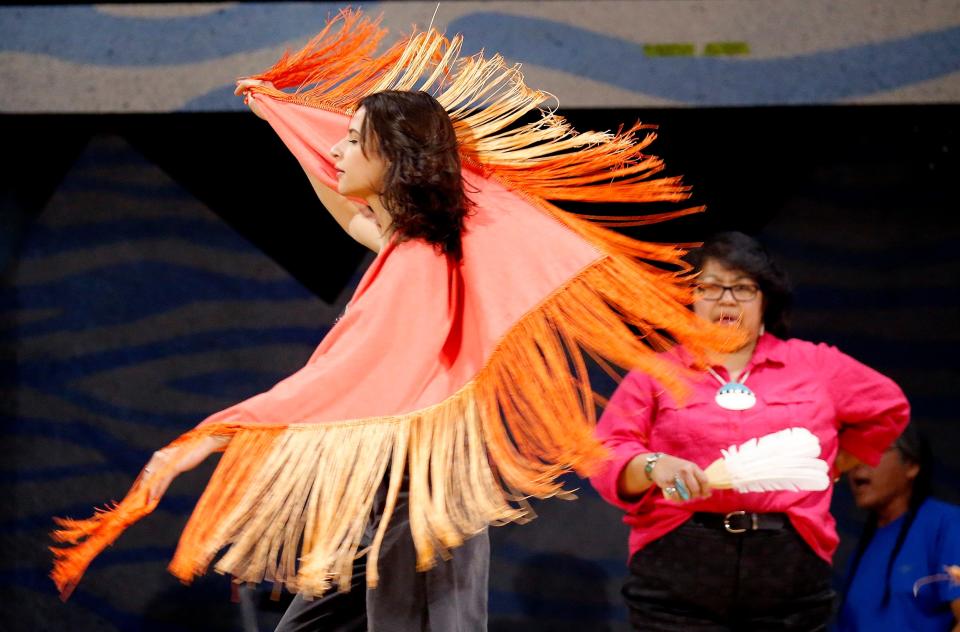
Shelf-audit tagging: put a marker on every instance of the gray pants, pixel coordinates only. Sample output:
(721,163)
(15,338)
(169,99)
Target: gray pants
(450,597)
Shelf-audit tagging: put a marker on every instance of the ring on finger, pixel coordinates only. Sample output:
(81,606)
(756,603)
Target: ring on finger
(681,488)
(669,491)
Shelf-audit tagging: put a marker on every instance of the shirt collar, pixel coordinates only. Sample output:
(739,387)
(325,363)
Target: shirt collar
(769,349)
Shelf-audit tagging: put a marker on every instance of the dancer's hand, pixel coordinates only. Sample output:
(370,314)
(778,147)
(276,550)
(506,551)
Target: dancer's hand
(243,87)
(157,474)
(680,480)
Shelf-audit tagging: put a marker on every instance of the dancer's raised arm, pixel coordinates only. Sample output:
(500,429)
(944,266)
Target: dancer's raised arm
(353,217)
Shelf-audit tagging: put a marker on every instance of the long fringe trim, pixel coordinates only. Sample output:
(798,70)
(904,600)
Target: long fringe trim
(485,98)
(291,503)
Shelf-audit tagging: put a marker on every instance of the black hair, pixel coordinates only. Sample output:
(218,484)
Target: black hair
(744,253)
(422,188)
(913,447)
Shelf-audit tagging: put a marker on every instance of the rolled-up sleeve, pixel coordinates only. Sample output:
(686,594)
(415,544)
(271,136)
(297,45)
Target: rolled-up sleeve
(871,410)
(624,428)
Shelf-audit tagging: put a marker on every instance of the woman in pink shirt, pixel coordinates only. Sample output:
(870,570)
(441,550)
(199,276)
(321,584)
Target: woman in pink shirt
(716,559)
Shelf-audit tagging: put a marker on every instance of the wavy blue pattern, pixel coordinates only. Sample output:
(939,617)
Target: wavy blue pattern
(176,504)
(33,371)
(224,383)
(133,416)
(121,294)
(12,477)
(64,32)
(824,76)
(58,371)
(54,376)
(97,299)
(80,433)
(44,241)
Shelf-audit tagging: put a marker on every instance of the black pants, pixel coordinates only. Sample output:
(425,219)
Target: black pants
(702,578)
(450,597)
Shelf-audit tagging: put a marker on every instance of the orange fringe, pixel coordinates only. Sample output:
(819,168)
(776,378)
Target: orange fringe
(304,493)
(88,537)
(546,158)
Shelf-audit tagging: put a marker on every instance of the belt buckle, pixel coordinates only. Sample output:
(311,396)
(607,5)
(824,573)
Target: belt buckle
(726,522)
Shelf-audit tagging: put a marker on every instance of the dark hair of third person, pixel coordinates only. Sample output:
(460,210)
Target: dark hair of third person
(422,187)
(741,252)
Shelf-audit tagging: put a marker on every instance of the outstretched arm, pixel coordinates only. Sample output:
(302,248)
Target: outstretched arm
(157,476)
(348,214)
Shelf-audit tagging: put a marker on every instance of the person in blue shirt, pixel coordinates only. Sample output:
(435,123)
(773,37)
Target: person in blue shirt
(908,536)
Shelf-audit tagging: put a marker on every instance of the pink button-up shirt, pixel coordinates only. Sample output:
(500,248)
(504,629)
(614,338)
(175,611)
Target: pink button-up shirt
(843,402)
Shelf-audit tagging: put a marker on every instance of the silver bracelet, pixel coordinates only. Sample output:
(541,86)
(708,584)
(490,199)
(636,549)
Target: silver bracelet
(651,461)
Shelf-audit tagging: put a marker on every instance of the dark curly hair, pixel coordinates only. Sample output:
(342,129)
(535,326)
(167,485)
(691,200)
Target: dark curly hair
(422,188)
(744,253)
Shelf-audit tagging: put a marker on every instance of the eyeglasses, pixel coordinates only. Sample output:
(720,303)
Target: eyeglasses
(742,292)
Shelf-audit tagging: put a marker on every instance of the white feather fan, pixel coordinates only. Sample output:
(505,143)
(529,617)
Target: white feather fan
(784,460)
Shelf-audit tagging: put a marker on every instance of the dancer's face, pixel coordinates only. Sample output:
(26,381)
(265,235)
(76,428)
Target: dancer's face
(360,169)
(729,310)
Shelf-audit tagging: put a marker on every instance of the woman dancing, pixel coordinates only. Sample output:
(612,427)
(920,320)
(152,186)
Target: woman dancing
(400,157)
(455,381)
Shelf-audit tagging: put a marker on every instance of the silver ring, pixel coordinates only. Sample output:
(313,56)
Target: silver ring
(670,491)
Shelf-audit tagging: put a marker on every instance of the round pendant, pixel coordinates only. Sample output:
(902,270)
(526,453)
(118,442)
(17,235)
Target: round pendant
(735,396)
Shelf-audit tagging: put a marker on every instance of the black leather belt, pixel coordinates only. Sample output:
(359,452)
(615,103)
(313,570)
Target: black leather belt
(742,521)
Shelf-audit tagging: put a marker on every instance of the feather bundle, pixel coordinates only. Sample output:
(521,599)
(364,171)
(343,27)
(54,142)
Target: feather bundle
(783,460)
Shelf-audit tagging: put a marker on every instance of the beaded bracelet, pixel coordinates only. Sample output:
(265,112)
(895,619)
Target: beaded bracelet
(651,461)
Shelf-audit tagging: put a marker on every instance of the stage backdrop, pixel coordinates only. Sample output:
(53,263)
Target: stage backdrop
(163,256)
(602,53)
